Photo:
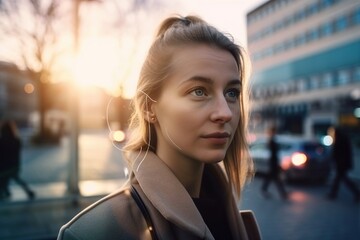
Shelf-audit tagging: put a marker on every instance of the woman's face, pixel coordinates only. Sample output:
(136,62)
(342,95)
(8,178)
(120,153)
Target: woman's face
(198,110)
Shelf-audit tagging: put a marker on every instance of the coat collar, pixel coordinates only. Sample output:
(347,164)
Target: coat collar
(170,197)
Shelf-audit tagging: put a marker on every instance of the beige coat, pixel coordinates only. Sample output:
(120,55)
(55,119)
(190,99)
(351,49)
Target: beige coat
(171,208)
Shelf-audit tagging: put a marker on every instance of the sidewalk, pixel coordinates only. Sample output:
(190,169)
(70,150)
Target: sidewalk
(41,218)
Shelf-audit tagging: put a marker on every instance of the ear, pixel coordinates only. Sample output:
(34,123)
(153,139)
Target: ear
(150,115)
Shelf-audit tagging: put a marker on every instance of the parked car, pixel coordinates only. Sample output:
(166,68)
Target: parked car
(299,158)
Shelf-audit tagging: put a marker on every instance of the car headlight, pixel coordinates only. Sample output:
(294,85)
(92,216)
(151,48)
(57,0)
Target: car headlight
(298,159)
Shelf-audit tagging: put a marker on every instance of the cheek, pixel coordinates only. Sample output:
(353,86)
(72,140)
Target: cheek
(236,117)
(181,118)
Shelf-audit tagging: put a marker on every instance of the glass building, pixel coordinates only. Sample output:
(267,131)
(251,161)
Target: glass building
(306,65)
(306,68)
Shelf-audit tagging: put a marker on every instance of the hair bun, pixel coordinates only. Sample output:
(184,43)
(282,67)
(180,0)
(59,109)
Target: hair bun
(177,21)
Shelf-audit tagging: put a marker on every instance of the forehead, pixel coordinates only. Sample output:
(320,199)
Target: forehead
(205,60)
(201,52)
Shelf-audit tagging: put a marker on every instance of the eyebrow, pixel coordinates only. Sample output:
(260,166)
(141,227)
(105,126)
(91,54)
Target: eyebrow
(210,81)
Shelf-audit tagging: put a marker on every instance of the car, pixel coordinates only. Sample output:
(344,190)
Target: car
(299,158)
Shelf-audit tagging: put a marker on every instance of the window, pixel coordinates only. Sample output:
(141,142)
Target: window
(289,44)
(269,30)
(327,80)
(282,89)
(302,14)
(313,9)
(281,24)
(327,3)
(357,74)
(279,47)
(327,29)
(343,77)
(292,87)
(313,35)
(356,17)
(300,40)
(314,82)
(341,23)
(268,52)
(301,85)
(256,56)
(257,93)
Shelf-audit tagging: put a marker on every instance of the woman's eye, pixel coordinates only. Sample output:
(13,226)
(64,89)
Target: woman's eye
(232,94)
(199,92)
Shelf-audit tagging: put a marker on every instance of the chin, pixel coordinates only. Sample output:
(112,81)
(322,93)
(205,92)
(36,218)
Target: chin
(213,158)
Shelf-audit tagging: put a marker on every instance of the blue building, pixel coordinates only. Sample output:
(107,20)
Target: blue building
(306,66)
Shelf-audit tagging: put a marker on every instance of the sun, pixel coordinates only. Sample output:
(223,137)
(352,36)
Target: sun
(99,62)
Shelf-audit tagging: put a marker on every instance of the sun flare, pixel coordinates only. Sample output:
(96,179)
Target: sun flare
(97,64)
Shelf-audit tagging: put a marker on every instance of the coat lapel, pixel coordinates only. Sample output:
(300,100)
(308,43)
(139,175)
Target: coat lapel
(170,197)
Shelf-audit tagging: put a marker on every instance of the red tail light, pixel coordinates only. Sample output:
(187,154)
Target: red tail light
(286,163)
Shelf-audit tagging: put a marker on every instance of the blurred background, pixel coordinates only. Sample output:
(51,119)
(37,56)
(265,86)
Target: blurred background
(68,71)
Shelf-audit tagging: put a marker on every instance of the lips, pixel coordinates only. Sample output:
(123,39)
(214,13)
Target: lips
(217,135)
(218,139)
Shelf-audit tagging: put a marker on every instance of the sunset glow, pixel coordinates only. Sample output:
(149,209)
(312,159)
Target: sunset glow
(97,64)
(112,46)
(114,61)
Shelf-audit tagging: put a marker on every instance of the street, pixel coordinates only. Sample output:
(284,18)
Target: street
(307,214)
(98,160)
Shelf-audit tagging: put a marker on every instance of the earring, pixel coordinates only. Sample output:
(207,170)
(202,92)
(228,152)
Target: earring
(153,119)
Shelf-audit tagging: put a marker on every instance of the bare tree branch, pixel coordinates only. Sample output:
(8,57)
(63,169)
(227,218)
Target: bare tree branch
(28,27)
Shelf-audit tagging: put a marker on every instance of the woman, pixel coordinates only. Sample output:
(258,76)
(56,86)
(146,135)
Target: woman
(190,113)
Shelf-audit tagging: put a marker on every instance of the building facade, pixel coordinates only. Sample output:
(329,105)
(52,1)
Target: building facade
(306,64)
(306,67)
(18,98)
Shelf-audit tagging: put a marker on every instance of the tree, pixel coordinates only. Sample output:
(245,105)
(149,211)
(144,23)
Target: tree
(35,29)
(28,27)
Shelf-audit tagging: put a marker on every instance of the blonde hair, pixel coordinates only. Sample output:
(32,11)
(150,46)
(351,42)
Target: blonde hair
(174,32)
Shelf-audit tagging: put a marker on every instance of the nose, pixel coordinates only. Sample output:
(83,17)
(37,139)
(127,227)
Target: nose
(221,112)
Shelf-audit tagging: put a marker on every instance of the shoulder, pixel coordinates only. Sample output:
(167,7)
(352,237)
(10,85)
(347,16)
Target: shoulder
(115,216)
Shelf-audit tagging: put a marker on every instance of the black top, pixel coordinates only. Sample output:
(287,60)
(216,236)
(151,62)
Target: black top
(342,151)
(214,216)
(10,155)
(274,161)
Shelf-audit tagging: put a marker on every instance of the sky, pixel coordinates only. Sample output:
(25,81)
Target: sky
(227,15)
(109,58)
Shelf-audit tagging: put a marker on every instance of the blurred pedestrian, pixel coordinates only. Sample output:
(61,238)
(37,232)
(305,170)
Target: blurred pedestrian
(10,149)
(4,174)
(190,115)
(274,169)
(343,160)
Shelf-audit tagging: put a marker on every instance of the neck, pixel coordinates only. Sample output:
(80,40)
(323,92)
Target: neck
(188,171)
(192,179)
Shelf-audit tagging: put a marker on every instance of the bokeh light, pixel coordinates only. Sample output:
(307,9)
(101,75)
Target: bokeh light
(327,140)
(29,88)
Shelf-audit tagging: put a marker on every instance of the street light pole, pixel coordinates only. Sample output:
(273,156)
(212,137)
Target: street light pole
(73,176)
